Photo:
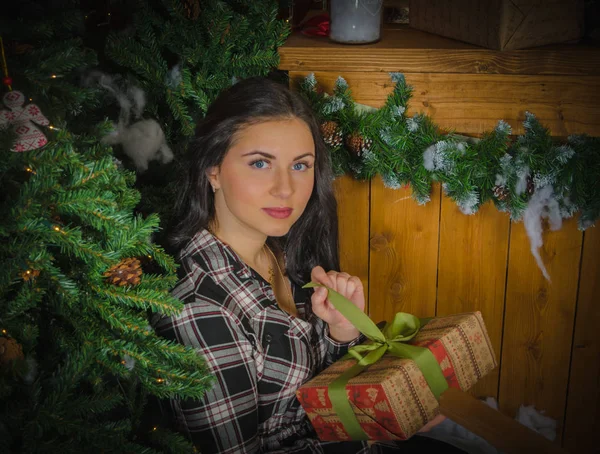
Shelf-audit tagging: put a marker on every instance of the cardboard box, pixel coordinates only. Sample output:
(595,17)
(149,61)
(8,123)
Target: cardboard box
(501,24)
(391,399)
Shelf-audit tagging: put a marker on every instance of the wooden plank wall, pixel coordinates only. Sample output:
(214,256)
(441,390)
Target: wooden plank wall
(433,260)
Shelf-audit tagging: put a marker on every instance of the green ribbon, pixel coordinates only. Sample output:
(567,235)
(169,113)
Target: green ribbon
(393,339)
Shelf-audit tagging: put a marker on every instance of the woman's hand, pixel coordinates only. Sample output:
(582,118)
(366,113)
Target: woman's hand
(434,422)
(340,329)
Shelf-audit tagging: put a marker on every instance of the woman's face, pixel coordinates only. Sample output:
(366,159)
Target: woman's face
(265,179)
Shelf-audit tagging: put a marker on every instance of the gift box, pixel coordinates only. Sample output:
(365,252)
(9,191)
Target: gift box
(500,24)
(391,399)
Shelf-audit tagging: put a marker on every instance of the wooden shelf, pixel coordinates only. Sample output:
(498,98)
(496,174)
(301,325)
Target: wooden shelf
(409,50)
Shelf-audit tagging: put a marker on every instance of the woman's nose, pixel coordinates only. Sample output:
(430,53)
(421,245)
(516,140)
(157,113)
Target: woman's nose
(283,186)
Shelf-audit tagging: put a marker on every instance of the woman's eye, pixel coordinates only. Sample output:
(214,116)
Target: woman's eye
(301,166)
(260,164)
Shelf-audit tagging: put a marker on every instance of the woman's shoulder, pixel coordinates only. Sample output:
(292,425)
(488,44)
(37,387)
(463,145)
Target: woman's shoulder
(210,272)
(206,255)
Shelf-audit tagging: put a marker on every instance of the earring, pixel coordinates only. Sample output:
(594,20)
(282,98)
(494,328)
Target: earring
(213,188)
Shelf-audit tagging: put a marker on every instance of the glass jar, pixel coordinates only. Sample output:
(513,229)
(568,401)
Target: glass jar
(355,21)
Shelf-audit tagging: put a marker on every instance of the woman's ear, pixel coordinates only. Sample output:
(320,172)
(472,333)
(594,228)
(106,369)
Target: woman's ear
(213,177)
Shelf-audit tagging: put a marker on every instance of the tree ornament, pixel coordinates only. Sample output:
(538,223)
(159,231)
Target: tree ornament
(192,9)
(10,350)
(530,185)
(29,137)
(127,272)
(358,144)
(144,140)
(7,81)
(501,192)
(332,134)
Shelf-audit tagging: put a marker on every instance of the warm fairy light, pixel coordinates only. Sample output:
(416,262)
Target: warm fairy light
(28,272)
(150,257)
(54,76)
(3,331)
(159,380)
(56,228)
(30,170)
(154,428)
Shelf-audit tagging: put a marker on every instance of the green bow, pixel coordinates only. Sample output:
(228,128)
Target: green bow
(393,339)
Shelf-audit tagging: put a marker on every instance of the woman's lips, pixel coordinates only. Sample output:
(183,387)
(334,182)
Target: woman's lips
(278,213)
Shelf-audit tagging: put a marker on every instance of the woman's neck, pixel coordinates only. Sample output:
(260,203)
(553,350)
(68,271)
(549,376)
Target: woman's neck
(250,247)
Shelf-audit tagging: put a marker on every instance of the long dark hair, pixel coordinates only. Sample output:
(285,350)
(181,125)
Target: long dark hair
(313,239)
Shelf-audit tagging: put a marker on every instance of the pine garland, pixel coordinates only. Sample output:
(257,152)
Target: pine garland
(530,172)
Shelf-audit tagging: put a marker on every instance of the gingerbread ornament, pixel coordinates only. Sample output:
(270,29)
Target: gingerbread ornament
(21,118)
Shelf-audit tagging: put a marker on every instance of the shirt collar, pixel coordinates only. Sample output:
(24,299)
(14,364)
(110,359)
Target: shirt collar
(221,259)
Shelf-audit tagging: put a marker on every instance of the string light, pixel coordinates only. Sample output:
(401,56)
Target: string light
(30,170)
(4,332)
(54,76)
(159,380)
(154,428)
(29,275)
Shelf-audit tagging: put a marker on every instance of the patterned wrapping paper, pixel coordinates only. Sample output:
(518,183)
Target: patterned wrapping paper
(391,399)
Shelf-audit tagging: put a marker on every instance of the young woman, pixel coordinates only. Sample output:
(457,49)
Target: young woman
(257,221)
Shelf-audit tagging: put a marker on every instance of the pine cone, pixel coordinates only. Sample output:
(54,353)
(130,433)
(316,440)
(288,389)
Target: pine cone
(530,185)
(126,272)
(357,144)
(10,350)
(332,135)
(501,192)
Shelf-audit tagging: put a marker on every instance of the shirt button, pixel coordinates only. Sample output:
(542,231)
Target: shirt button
(268,338)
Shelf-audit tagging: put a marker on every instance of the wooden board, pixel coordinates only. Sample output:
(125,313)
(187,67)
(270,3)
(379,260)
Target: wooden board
(404,251)
(353,217)
(472,272)
(474,103)
(582,421)
(502,432)
(538,323)
(408,50)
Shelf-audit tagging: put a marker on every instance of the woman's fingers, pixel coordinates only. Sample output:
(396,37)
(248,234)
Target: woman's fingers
(341,282)
(319,275)
(434,422)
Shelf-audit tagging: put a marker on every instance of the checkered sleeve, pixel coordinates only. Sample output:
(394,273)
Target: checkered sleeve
(335,350)
(225,420)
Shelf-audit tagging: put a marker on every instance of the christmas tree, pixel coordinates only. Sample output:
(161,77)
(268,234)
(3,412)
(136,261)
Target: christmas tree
(182,54)
(81,275)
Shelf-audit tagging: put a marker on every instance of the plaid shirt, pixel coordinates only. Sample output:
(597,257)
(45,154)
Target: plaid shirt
(259,355)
